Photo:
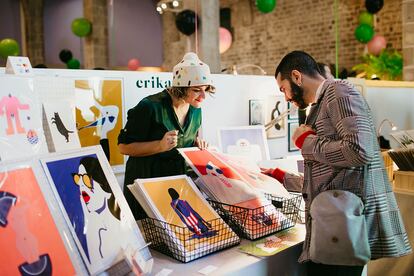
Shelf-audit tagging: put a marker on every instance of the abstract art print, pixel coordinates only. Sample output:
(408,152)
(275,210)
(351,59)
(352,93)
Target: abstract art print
(28,232)
(248,141)
(21,129)
(99,115)
(94,207)
(276,105)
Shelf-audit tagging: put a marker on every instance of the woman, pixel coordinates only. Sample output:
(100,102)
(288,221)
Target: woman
(162,122)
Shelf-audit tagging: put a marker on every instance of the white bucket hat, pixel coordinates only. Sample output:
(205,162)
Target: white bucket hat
(191,71)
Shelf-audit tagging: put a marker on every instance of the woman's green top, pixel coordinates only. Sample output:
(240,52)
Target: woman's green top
(149,121)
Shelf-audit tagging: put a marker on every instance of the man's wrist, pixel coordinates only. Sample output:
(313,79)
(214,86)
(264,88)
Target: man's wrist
(301,139)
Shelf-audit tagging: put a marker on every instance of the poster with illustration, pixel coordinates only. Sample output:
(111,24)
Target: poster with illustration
(276,105)
(60,116)
(177,201)
(95,208)
(275,243)
(248,141)
(99,115)
(252,175)
(29,237)
(21,132)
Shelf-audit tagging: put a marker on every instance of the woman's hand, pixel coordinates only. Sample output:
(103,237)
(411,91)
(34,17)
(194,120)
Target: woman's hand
(201,144)
(266,171)
(169,141)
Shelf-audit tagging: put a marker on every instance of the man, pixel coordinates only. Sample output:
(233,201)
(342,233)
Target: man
(337,141)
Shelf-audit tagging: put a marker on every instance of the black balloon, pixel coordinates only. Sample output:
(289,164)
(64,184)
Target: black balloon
(65,55)
(374,6)
(186,22)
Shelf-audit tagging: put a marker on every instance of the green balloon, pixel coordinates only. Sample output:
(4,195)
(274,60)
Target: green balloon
(81,27)
(364,33)
(73,64)
(9,47)
(366,18)
(265,6)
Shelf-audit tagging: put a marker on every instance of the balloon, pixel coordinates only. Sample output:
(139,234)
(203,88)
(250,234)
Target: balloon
(366,18)
(186,21)
(265,6)
(133,64)
(65,55)
(73,64)
(225,39)
(374,6)
(377,44)
(364,33)
(81,27)
(9,47)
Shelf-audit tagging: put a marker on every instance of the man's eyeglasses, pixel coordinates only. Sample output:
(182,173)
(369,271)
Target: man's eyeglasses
(87,180)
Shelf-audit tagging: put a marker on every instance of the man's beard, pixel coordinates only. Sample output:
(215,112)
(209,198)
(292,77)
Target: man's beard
(297,96)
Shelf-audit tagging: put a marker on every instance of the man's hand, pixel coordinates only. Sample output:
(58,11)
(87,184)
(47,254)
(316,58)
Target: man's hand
(201,144)
(299,131)
(266,171)
(169,141)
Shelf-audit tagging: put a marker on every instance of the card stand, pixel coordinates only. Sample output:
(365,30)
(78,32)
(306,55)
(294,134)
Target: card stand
(262,221)
(182,244)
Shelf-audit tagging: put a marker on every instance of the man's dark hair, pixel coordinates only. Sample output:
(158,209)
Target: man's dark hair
(297,60)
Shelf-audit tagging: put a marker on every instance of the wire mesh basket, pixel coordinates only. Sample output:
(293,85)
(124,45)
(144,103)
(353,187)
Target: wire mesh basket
(255,223)
(184,244)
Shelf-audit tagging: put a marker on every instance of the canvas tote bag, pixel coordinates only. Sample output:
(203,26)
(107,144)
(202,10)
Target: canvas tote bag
(339,232)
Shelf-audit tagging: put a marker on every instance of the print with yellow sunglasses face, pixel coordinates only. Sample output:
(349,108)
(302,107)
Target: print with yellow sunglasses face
(91,194)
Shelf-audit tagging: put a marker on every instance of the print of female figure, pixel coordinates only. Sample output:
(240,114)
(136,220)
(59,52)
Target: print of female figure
(101,212)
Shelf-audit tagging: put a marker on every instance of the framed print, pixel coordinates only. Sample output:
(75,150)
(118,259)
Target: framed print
(248,141)
(95,209)
(291,145)
(257,112)
(28,231)
(276,105)
(21,129)
(295,114)
(177,201)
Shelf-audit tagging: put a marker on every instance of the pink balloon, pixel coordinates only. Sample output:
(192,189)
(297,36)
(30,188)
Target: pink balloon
(377,44)
(133,64)
(225,39)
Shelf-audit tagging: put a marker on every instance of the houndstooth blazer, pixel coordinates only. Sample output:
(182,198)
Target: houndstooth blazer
(335,157)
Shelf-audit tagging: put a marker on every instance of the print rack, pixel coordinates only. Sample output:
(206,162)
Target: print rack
(255,223)
(183,245)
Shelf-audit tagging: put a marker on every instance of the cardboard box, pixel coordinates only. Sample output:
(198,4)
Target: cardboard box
(404,182)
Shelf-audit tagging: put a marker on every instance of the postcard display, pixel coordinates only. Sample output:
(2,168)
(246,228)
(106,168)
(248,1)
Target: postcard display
(95,209)
(242,193)
(182,224)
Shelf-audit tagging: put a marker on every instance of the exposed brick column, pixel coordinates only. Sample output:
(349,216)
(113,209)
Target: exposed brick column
(95,45)
(408,39)
(33,30)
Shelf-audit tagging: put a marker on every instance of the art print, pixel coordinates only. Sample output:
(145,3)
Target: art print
(29,236)
(248,141)
(276,105)
(177,201)
(94,206)
(257,110)
(60,117)
(99,115)
(21,132)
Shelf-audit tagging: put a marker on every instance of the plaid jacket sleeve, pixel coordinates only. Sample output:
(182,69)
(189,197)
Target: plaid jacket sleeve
(343,132)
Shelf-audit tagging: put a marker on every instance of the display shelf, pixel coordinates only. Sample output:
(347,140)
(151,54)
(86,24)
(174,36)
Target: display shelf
(255,223)
(181,244)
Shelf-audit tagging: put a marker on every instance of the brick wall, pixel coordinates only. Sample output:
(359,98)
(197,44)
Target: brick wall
(308,25)
(408,39)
